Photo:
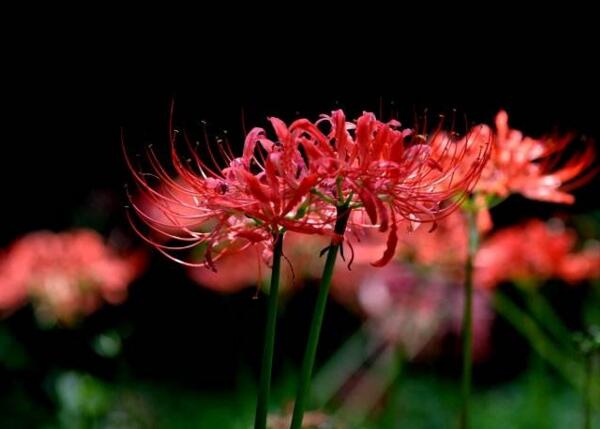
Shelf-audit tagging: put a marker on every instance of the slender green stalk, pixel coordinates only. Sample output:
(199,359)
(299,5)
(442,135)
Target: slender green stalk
(347,360)
(262,404)
(467,323)
(587,394)
(545,314)
(343,213)
(527,326)
(372,385)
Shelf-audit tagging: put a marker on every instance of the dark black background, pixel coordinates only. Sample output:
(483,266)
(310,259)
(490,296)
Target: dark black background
(71,84)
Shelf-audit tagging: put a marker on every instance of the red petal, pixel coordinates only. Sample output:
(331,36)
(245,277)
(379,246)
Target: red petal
(252,236)
(380,140)
(255,187)
(383,213)
(390,250)
(306,228)
(341,135)
(312,151)
(281,130)
(273,181)
(305,186)
(397,150)
(250,144)
(308,127)
(364,128)
(369,202)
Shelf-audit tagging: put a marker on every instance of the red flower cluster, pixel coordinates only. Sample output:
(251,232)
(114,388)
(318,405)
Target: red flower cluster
(522,165)
(527,166)
(65,275)
(533,252)
(300,181)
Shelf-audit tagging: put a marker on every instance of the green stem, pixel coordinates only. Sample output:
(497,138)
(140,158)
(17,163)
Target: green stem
(323,197)
(343,213)
(587,394)
(262,404)
(527,326)
(372,385)
(340,367)
(467,324)
(546,315)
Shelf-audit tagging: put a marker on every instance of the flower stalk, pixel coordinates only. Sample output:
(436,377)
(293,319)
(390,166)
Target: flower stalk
(262,404)
(343,214)
(527,326)
(467,324)
(587,394)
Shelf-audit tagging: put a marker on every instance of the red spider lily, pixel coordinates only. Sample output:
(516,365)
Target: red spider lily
(521,164)
(381,172)
(220,210)
(527,166)
(535,251)
(385,174)
(66,275)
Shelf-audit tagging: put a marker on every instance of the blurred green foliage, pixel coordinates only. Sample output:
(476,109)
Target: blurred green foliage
(536,399)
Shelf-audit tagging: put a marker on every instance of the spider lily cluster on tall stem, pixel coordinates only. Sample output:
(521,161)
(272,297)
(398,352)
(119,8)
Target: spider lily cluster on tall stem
(517,165)
(332,177)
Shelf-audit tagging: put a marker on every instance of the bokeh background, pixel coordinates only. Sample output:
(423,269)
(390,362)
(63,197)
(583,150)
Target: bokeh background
(177,355)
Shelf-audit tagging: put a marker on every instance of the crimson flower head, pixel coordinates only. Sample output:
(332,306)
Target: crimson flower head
(384,173)
(377,174)
(65,275)
(219,204)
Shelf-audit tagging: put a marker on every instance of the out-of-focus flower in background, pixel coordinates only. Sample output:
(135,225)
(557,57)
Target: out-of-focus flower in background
(544,169)
(417,311)
(533,252)
(521,164)
(442,252)
(65,275)
(248,268)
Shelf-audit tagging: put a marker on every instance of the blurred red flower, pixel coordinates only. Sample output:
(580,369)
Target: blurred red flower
(532,251)
(419,310)
(66,275)
(237,271)
(520,164)
(535,251)
(544,169)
